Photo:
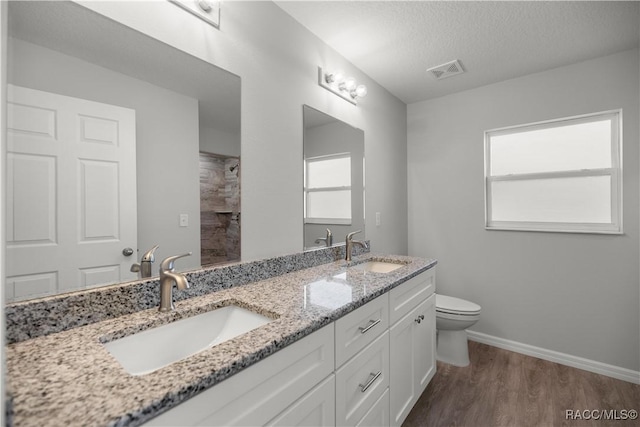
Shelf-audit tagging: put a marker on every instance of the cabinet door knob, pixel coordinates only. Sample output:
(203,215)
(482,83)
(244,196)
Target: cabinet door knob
(420,318)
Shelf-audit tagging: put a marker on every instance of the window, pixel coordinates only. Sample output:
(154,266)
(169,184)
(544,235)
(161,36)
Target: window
(561,175)
(328,189)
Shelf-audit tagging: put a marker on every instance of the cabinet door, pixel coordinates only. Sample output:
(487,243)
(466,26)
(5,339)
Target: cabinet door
(317,408)
(412,358)
(425,339)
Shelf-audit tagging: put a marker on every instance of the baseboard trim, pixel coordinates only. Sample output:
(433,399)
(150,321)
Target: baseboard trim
(557,357)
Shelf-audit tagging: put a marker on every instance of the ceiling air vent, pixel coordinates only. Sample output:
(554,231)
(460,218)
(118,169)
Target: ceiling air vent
(446,70)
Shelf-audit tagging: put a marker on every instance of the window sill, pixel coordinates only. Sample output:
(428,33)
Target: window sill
(557,228)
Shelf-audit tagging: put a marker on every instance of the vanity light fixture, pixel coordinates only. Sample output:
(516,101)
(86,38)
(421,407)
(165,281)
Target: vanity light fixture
(207,10)
(346,88)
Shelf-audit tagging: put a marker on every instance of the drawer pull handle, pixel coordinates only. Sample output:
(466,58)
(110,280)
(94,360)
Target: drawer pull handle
(371,380)
(372,323)
(420,318)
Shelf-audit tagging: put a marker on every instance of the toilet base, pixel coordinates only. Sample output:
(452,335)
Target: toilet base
(452,347)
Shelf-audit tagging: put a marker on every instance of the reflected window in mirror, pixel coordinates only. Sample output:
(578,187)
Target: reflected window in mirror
(328,189)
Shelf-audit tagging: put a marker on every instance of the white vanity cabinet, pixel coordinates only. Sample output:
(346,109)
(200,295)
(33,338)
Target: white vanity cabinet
(412,343)
(367,368)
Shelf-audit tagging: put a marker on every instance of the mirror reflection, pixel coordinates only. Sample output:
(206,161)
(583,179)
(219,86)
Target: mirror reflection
(116,143)
(333,179)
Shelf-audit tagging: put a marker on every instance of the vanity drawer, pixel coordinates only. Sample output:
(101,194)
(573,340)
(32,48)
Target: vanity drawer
(362,381)
(378,415)
(403,298)
(360,327)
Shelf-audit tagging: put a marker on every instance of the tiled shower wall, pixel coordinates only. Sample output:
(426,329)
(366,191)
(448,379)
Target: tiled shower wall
(219,209)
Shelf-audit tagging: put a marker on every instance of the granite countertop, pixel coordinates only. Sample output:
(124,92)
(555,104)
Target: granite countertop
(69,378)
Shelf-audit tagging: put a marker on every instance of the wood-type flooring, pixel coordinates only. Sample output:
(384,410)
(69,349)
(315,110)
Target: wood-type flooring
(503,388)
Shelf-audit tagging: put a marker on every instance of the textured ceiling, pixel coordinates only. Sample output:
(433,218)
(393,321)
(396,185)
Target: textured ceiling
(394,42)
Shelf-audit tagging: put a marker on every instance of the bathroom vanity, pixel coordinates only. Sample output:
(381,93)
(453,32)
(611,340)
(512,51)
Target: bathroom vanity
(345,344)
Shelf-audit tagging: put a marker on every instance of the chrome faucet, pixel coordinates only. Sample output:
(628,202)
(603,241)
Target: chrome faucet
(349,244)
(168,277)
(144,268)
(328,240)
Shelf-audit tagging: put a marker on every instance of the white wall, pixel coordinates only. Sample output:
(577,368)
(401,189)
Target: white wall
(165,121)
(576,294)
(219,142)
(277,60)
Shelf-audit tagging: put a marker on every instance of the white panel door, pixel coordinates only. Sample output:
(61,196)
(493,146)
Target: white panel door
(71,193)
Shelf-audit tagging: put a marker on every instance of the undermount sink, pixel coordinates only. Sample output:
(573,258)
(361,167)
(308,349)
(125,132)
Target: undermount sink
(378,266)
(152,349)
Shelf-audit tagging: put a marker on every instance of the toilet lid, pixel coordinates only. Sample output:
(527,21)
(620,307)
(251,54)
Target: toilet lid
(446,304)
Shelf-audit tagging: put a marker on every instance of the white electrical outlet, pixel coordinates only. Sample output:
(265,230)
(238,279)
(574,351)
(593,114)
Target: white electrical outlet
(184,220)
(377,219)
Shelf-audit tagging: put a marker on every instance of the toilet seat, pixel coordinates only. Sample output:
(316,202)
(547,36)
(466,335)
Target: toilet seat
(456,306)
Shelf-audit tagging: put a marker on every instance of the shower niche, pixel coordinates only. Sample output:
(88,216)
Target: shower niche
(219,208)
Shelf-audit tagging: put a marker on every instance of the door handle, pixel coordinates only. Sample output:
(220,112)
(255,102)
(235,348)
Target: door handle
(127,252)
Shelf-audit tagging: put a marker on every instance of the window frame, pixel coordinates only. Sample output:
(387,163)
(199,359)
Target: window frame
(307,191)
(615,172)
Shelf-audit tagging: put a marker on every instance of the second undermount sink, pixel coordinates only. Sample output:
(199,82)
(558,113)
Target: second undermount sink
(378,266)
(152,349)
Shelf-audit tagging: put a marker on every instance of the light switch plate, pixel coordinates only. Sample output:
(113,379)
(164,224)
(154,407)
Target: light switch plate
(184,220)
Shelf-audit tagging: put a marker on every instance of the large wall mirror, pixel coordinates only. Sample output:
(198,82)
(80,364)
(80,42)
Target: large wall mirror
(116,142)
(333,179)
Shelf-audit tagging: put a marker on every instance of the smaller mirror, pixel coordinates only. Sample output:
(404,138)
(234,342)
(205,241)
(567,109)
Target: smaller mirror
(333,179)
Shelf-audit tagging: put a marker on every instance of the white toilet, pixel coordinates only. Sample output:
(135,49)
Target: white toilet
(453,316)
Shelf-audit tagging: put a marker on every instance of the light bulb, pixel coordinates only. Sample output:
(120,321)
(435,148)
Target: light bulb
(205,5)
(360,91)
(334,77)
(349,84)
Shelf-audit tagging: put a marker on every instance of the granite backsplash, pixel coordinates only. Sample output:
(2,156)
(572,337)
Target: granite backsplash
(48,315)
